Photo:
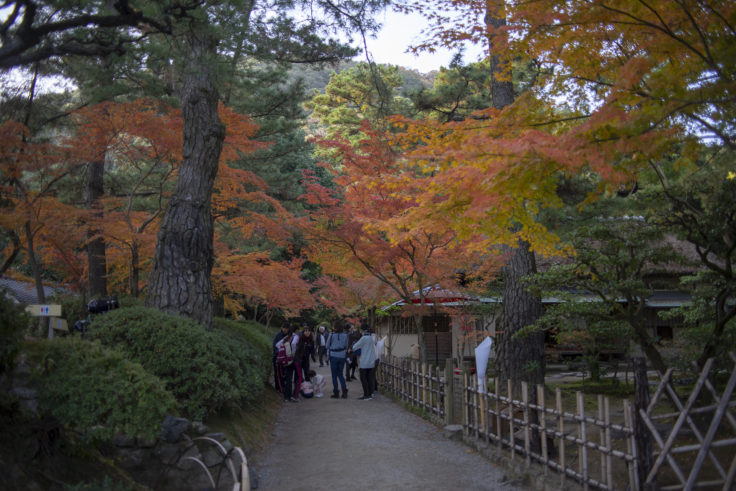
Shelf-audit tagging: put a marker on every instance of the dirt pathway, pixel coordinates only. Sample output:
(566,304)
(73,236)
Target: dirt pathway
(337,444)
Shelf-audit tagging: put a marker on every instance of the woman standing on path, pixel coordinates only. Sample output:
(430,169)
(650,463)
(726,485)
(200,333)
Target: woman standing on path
(337,345)
(367,361)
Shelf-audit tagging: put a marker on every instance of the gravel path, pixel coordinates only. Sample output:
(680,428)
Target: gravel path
(338,444)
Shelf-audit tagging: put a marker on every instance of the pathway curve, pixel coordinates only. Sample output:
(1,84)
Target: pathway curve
(338,444)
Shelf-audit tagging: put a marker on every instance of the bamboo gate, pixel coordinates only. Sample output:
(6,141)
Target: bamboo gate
(587,440)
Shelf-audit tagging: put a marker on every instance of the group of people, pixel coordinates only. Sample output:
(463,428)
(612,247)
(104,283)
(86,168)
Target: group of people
(344,349)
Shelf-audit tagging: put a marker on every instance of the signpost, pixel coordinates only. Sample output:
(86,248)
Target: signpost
(44,310)
(53,312)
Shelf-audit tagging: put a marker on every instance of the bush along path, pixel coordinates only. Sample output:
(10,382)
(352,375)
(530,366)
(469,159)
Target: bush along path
(352,444)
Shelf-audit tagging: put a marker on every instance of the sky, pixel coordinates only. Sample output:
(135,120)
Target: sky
(398,33)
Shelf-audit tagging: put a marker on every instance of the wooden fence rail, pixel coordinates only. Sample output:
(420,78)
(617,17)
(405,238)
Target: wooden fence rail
(588,441)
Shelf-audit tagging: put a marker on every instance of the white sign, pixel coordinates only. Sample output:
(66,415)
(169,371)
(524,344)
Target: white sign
(44,310)
(482,353)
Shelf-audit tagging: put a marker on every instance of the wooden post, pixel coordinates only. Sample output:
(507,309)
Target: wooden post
(483,426)
(543,423)
(609,442)
(583,449)
(631,447)
(510,395)
(449,392)
(561,429)
(641,433)
(602,436)
(499,428)
(466,406)
(527,439)
(424,401)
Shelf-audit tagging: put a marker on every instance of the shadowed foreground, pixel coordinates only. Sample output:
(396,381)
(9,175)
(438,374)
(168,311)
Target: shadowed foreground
(342,444)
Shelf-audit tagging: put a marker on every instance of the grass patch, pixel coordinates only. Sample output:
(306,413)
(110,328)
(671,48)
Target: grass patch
(250,426)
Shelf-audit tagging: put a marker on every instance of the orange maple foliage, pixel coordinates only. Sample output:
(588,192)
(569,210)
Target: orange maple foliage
(29,171)
(253,281)
(368,223)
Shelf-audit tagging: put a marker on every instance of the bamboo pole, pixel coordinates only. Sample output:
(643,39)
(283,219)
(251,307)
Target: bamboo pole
(449,392)
(476,407)
(466,409)
(527,439)
(483,427)
(561,429)
(543,423)
(631,447)
(510,407)
(499,428)
(424,386)
(608,441)
(602,435)
(582,449)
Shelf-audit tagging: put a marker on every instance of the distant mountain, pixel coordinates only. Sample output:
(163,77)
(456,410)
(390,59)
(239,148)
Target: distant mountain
(318,78)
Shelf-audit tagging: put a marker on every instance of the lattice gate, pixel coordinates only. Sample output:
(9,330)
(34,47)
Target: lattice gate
(695,445)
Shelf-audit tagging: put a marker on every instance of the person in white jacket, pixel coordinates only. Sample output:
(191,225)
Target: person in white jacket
(367,363)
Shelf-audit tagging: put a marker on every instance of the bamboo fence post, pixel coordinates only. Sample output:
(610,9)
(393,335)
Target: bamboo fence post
(602,435)
(437,397)
(482,427)
(543,424)
(424,386)
(466,407)
(609,443)
(643,439)
(414,383)
(631,447)
(449,392)
(561,428)
(499,428)
(510,399)
(525,399)
(476,406)
(582,449)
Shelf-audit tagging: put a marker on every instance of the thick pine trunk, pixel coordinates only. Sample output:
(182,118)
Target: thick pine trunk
(180,280)
(96,259)
(520,359)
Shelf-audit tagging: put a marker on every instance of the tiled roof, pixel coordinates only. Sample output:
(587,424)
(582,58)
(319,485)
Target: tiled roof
(24,292)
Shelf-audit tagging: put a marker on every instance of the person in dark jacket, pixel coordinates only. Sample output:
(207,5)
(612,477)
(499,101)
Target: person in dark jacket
(305,351)
(278,337)
(352,356)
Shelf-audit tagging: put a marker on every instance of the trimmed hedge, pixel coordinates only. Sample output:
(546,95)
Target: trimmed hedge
(99,392)
(207,371)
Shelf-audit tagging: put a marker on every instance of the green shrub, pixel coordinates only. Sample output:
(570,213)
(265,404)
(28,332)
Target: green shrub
(98,391)
(206,371)
(13,321)
(249,342)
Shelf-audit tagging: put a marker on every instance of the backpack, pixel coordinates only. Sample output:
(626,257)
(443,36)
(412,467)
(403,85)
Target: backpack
(285,354)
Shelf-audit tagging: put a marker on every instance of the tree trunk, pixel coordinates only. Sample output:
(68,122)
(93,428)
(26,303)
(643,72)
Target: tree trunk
(518,359)
(96,260)
(420,337)
(134,271)
(180,280)
(523,358)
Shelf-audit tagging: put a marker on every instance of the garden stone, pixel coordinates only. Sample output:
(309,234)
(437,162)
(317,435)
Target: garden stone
(198,428)
(173,428)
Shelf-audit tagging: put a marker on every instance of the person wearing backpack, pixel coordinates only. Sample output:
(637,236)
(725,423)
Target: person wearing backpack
(337,345)
(285,365)
(278,337)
